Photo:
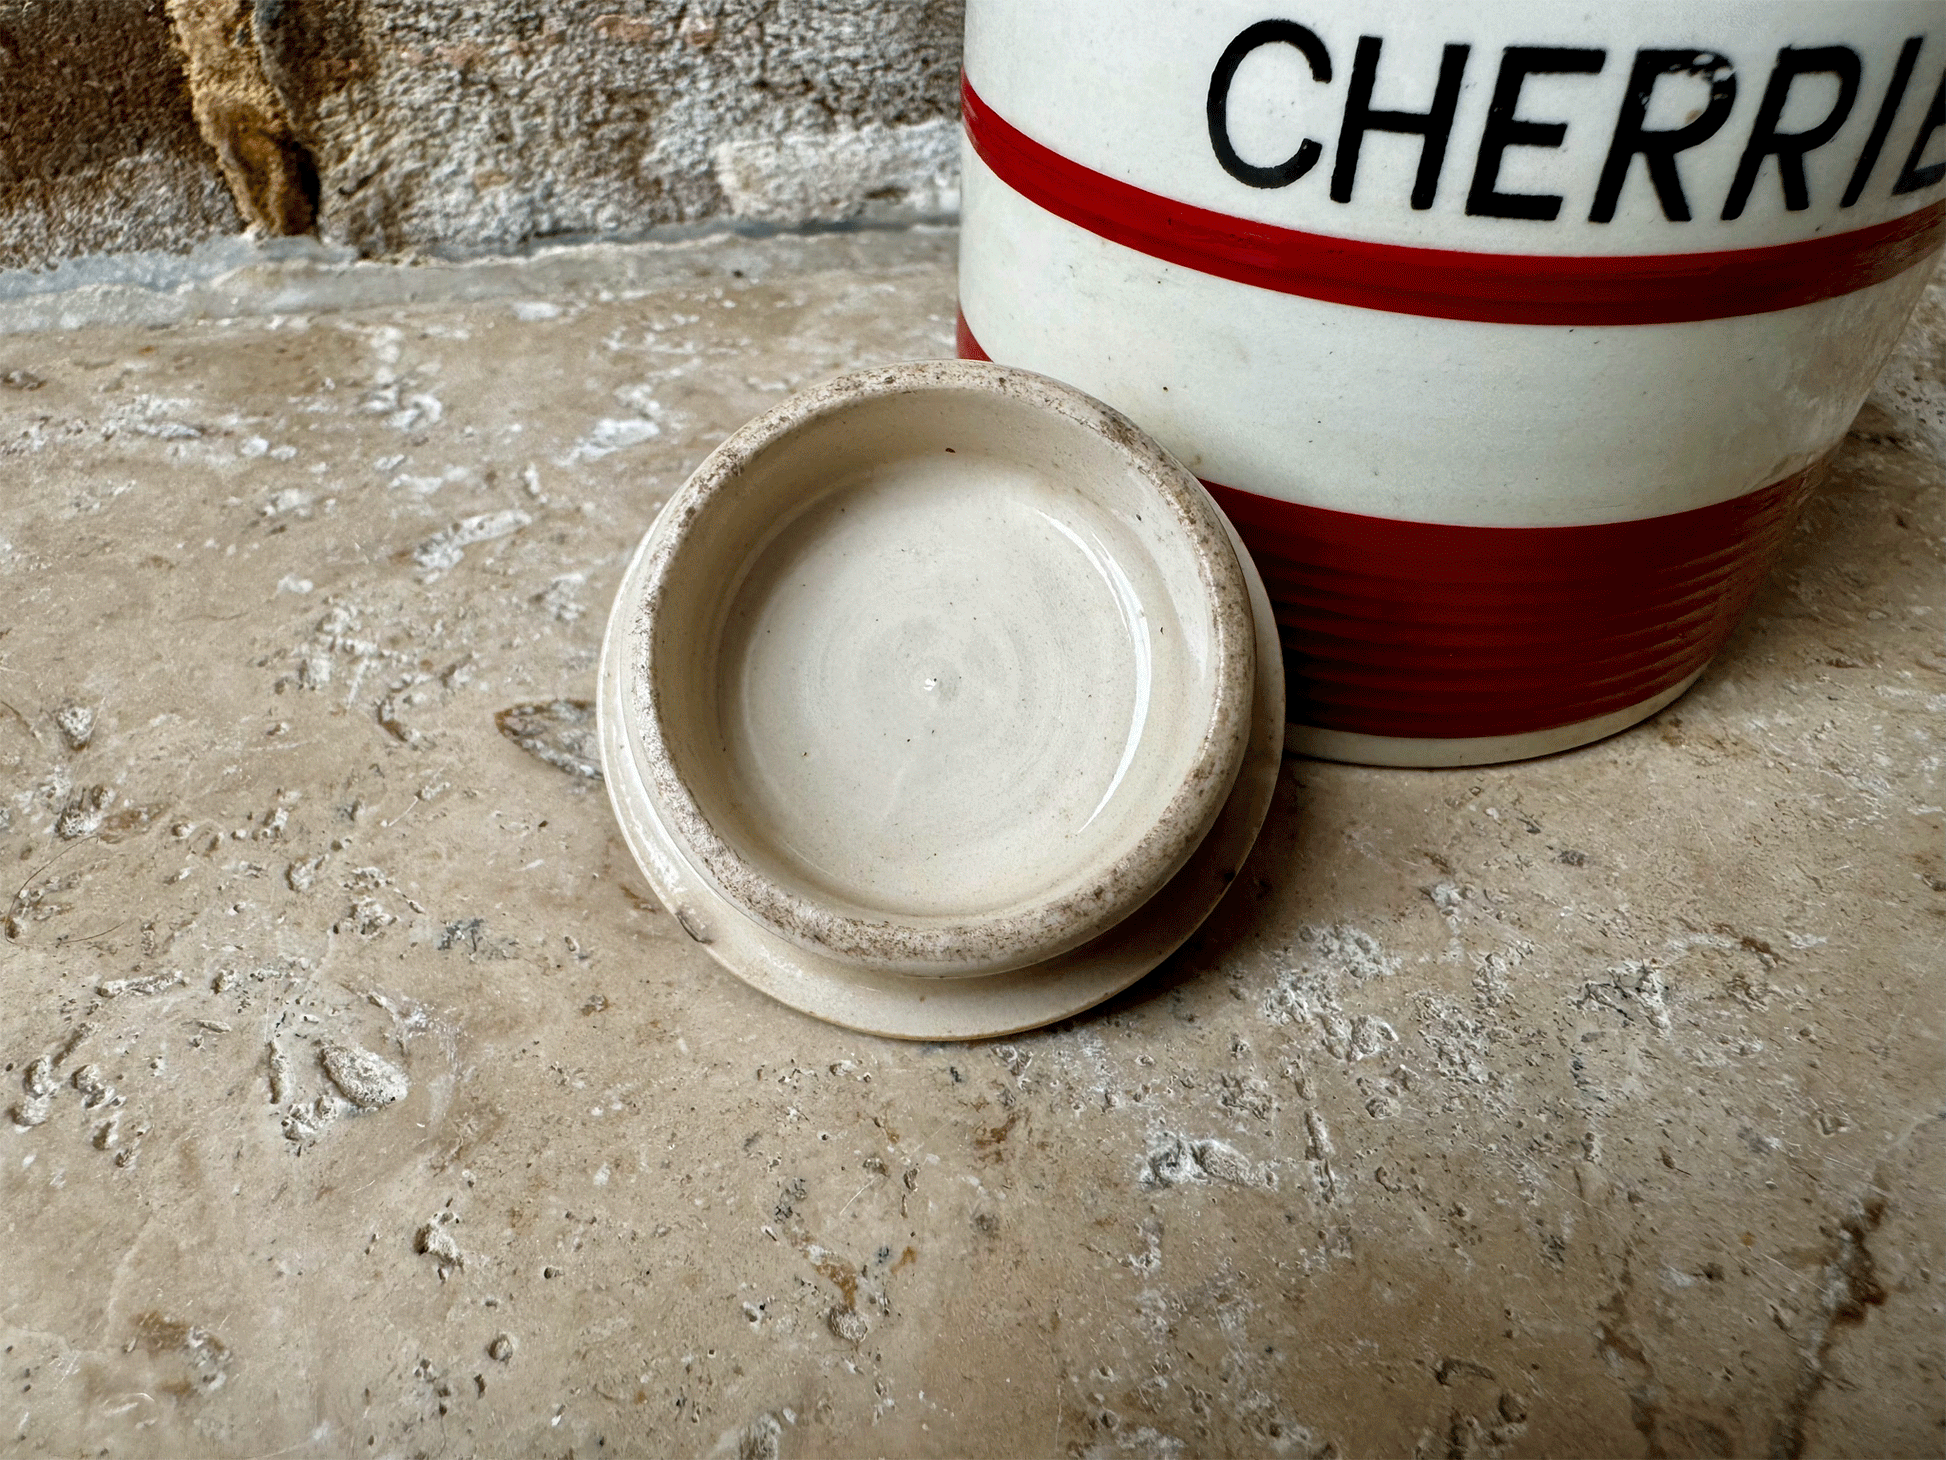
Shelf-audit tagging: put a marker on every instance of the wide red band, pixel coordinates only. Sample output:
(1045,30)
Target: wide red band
(1548,289)
(1428,630)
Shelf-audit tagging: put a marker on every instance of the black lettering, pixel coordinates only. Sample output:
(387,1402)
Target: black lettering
(1912,176)
(1504,130)
(1789,147)
(1435,125)
(1659,149)
(1861,172)
(1263,33)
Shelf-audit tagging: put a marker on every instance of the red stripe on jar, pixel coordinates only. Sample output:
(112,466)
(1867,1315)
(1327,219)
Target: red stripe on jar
(1425,630)
(969,348)
(1545,289)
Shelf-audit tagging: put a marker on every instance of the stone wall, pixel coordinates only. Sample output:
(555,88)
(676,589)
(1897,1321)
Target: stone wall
(98,148)
(453,127)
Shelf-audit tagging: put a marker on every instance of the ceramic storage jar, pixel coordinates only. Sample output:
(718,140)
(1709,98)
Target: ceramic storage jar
(1511,337)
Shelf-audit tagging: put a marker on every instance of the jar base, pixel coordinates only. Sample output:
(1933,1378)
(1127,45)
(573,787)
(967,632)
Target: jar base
(1412,751)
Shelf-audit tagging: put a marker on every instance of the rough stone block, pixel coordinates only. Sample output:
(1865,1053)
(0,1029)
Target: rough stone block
(430,126)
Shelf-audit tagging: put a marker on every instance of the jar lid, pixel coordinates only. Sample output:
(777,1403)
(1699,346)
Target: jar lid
(931,676)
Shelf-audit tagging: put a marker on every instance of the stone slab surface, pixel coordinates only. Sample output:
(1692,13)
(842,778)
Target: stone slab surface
(364,1103)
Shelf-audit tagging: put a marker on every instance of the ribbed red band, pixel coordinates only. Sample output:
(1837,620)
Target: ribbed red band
(1427,630)
(1422,629)
(1550,289)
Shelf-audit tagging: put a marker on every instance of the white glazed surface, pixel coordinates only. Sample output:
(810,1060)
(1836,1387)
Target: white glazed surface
(939,670)
(904,1007)
(1428,419)
(894,721)
(1122,89)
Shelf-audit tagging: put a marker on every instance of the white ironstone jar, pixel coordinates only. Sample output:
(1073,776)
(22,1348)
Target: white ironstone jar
(1511,337)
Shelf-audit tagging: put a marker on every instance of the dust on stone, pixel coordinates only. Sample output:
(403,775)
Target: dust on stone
(153,983)
(443,551)
(761,1439)
(434,1241)
(561,598)
(847,1324)
(367,1080)
(560,733)
(280,1074)
(93,1085)
(1177,1160)
(84,812)
(76,724)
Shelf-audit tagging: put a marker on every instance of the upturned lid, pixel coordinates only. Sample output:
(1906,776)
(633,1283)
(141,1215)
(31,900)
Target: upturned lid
(937,669)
